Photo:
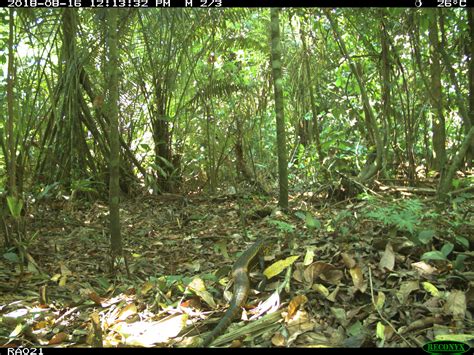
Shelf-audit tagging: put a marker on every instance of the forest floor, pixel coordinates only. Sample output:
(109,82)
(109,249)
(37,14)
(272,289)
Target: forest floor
(385,271)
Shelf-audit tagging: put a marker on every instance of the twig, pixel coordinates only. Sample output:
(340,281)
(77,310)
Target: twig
(380,313)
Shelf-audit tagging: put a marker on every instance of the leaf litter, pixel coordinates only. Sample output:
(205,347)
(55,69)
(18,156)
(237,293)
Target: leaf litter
(338,276)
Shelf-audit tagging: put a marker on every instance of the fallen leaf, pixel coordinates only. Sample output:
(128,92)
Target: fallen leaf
(149,333)
(127,311)
(406,288)
(95,297)
(380,331)
(277,267)
(309,256)
(358,279)
(348,260)
(298,324)
(278,339)
(294,305)
(456,304)
(64,270)
(58,338)
(380,300)
(340,315)
(423,268)
(388,258)
(147,286)
(315,270)
(429,287)
(321,289)
(333,294)
(199,288)
(62,281)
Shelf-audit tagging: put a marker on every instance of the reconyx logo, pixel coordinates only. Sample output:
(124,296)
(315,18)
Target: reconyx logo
(446,347)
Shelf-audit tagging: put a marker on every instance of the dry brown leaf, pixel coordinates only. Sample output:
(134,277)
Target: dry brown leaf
(388,258)
(456,304)
(127,311)
(358,279)
(423,268)
(333,294)
(298,324)
(64,270)
(348,260)
(95,297)
(278,339)
(294,305)
(58,338)
(406,288)
(317,269)
(298,274)
(332,276)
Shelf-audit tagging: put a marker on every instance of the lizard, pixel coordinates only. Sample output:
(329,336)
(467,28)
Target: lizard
(240,271)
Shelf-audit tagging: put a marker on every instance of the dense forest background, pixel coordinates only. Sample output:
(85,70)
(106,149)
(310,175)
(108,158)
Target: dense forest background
(141,150)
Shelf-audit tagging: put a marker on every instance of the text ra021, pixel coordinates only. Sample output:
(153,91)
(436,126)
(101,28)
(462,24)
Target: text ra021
(25,351)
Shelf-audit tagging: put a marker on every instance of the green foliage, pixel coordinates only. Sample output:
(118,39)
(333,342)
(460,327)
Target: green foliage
(442,254)
(84,185)
(405,216)
(425,236)
(310,221)
(282,226)
(48,190)
(12,257)
(15,205)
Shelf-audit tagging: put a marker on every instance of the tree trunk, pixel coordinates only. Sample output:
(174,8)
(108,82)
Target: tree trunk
(313,131)
(279,109)
(114,160)
(445,184)
(469,122)
(11,115)
(439,133)
(370,170)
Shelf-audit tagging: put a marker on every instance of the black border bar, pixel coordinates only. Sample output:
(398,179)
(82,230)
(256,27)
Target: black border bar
(446,4)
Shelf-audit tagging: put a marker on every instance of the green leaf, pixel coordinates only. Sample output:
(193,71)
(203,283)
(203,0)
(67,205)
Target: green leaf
(15,206)
(463,241)
(433,255)
(425,236)
(429,287)
(312,222)
(459,262)
(198,286)
(279,266)
(301,215)
(447,249)
(355,329)
(456,183)
(282,226)
(380,331)
(12,257)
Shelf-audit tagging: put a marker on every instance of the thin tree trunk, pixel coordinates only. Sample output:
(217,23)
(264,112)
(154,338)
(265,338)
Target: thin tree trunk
(469,122)
(11,115)
(439,134)
(386,84)
(114,160)
(445,184)
(279,109)
(313,131)
(370,170)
